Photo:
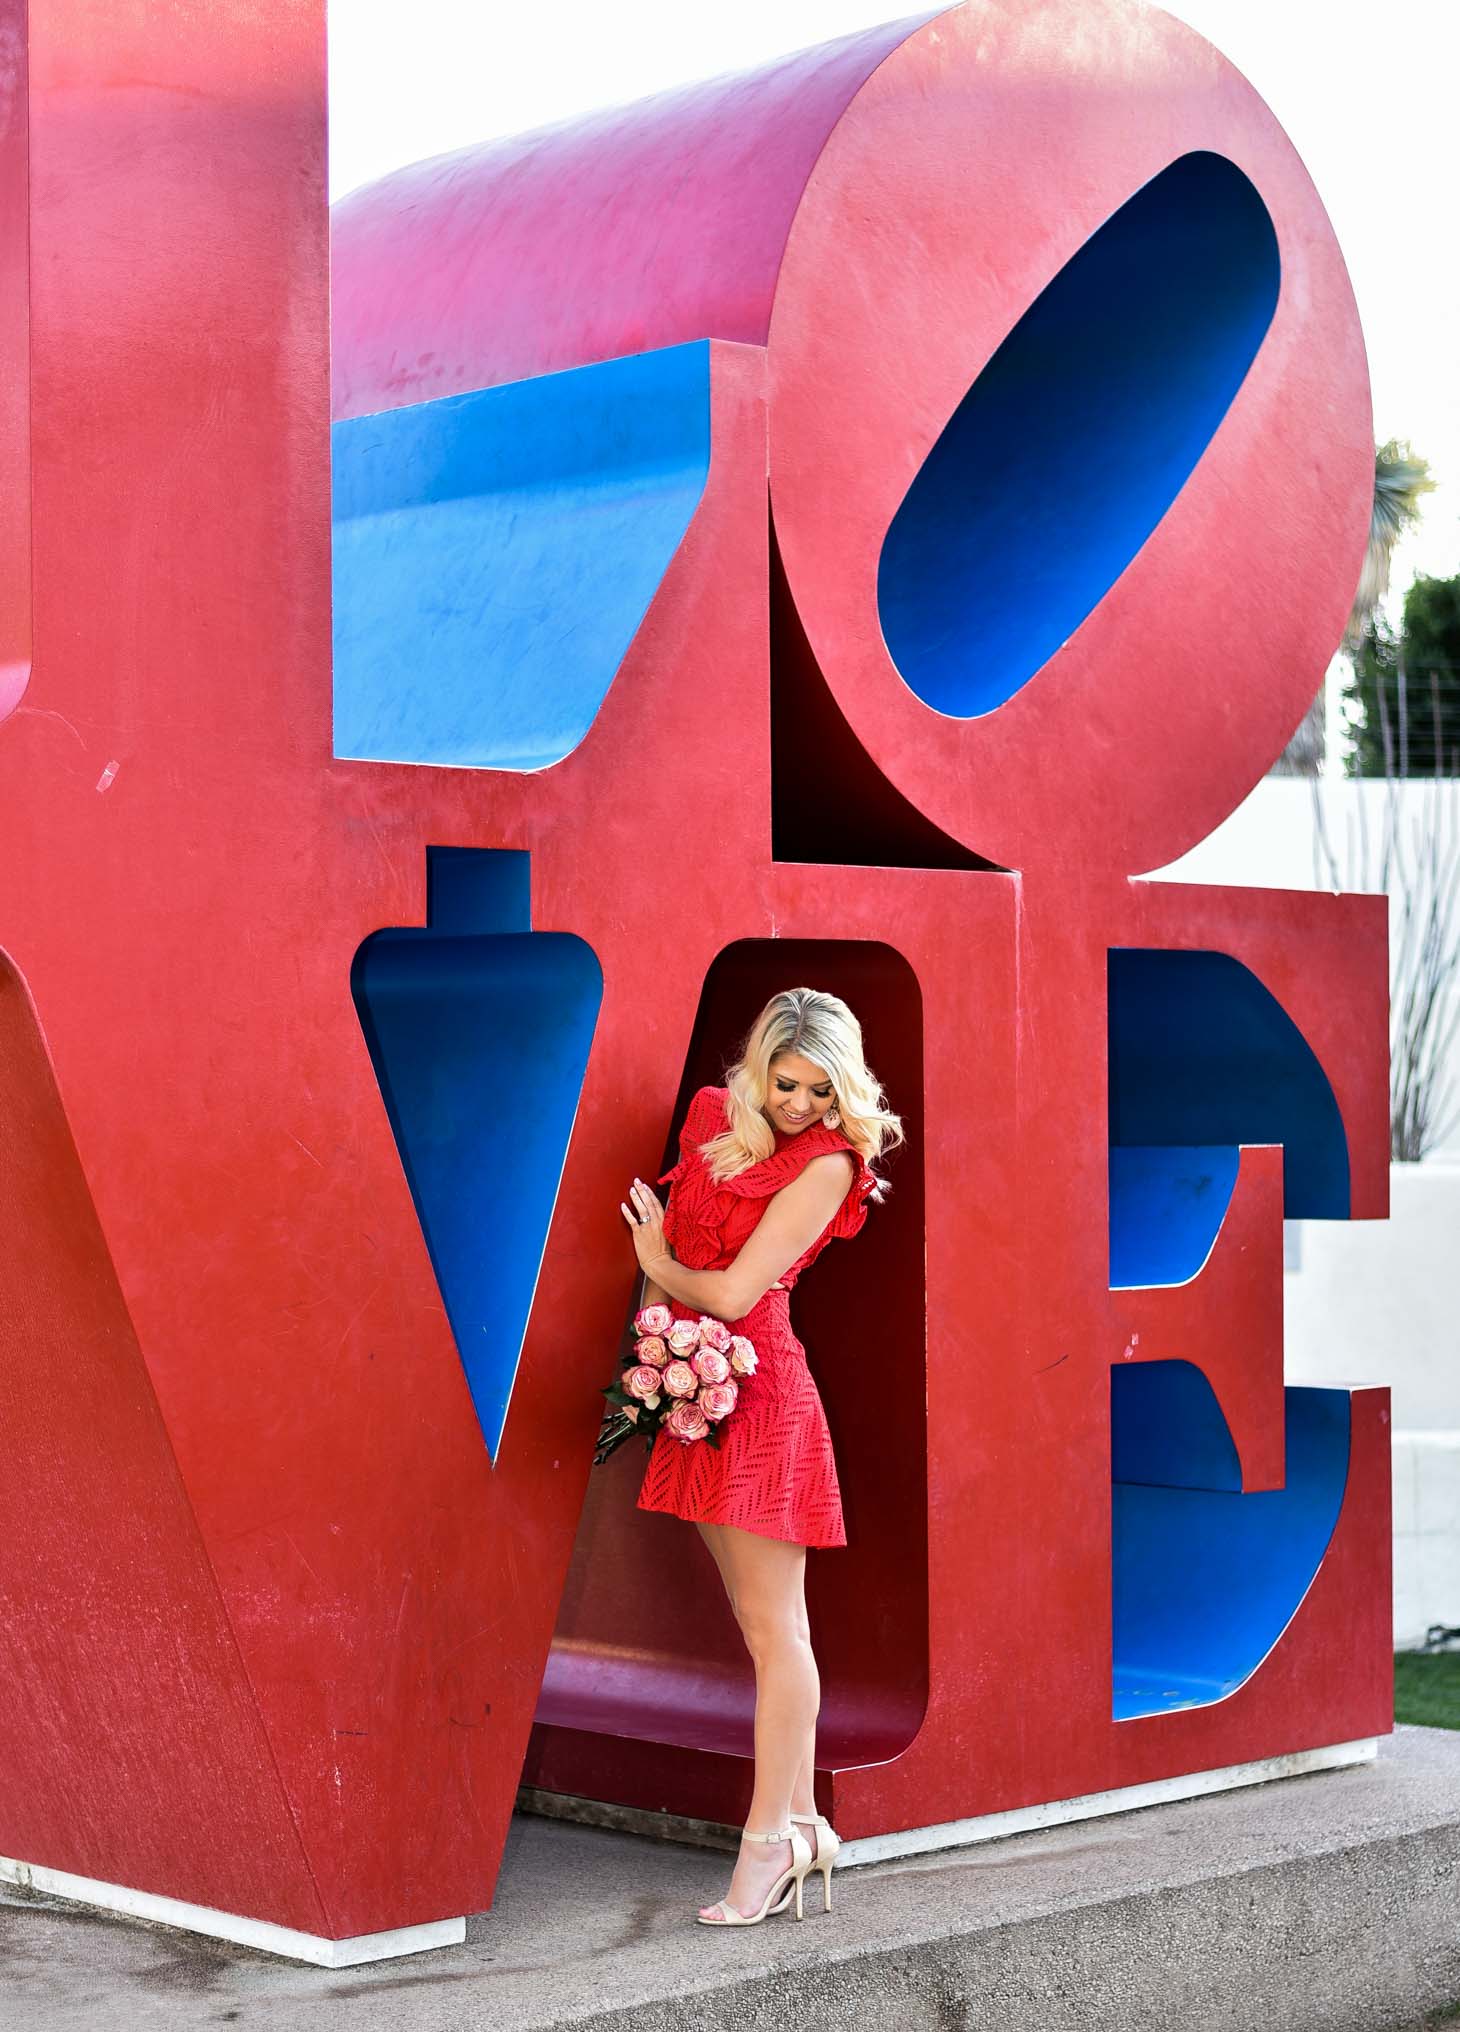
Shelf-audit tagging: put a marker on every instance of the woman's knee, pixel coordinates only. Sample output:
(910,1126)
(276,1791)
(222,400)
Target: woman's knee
(772,1629)
(765,1579)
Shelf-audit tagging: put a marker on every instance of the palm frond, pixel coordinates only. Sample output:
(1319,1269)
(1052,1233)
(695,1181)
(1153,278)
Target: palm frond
(1401,479)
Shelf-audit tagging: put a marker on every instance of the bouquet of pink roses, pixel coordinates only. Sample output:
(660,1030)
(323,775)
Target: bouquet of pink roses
(680,1378)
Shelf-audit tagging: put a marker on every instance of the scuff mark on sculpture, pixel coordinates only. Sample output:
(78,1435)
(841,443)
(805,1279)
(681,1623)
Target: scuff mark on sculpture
(49,713)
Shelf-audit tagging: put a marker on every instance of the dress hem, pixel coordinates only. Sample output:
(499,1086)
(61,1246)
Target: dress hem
(784,1538)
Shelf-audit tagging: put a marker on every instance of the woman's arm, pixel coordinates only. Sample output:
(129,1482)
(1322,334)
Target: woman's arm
(654,1294)
(793,1219)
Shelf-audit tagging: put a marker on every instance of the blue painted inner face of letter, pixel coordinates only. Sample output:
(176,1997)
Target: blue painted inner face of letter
(496,552)
(479,1030)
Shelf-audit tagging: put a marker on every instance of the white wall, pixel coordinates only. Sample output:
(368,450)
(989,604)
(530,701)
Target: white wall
(1379,1301)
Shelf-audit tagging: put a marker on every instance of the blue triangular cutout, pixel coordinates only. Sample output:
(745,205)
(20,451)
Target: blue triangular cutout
(479,1031)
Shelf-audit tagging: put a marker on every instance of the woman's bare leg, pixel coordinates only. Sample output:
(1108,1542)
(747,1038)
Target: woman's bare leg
(765,1580)
(711,1535)
(803,1792)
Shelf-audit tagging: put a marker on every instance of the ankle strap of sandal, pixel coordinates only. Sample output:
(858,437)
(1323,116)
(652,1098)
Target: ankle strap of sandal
(812,1819)
(776,1834)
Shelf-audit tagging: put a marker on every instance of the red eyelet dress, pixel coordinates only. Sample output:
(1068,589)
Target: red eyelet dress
(774,1472)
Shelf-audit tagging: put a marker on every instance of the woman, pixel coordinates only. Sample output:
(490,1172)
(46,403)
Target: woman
(773,1165)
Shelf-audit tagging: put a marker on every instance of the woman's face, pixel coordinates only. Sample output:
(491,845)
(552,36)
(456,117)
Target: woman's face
(800,1093)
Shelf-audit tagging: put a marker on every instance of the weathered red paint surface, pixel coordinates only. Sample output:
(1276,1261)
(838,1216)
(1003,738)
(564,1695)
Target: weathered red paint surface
(210,1251)
(14,360)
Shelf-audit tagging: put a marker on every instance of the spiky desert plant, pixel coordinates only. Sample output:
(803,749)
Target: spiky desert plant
(1418,867)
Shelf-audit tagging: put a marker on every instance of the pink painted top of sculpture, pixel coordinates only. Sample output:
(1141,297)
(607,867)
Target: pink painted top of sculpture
(641,226)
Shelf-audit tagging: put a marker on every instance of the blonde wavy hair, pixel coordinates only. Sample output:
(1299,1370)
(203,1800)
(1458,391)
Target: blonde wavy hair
(820,1027)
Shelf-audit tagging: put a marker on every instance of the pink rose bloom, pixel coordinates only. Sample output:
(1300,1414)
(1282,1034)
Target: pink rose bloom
(680,1380)
(652,1350)
(654,1319)
(686,1421)
(742,1355)
(713,1333)
(644,1383)
(709,1366)
(683,1336)
(631,1412)
(717,1400)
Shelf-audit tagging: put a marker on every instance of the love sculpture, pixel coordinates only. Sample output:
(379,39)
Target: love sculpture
(841,525)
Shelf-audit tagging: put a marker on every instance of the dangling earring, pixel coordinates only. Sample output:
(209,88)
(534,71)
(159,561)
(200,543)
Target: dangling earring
(832,1119)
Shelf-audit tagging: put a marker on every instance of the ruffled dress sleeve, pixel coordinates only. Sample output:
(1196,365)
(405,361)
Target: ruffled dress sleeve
(759,1181)
(699,1222)
(695,1211)
(704,1118)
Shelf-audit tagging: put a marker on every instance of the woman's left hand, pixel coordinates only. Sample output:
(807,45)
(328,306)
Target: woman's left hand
(646,1219)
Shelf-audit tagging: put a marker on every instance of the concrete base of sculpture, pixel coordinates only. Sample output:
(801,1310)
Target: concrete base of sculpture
(1322,1905)
(951,1834)
(234,1926)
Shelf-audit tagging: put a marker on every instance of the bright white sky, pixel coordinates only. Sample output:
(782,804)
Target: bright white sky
(1366,94)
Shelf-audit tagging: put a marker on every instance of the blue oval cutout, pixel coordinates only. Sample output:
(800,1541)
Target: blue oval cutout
(1077,436)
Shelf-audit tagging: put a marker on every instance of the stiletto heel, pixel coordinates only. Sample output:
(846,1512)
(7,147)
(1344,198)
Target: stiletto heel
(779,1895)
(828,1844)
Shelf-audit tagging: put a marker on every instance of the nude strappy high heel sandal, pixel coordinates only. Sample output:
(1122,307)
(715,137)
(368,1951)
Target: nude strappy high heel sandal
(781,1889)
(828,1844)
